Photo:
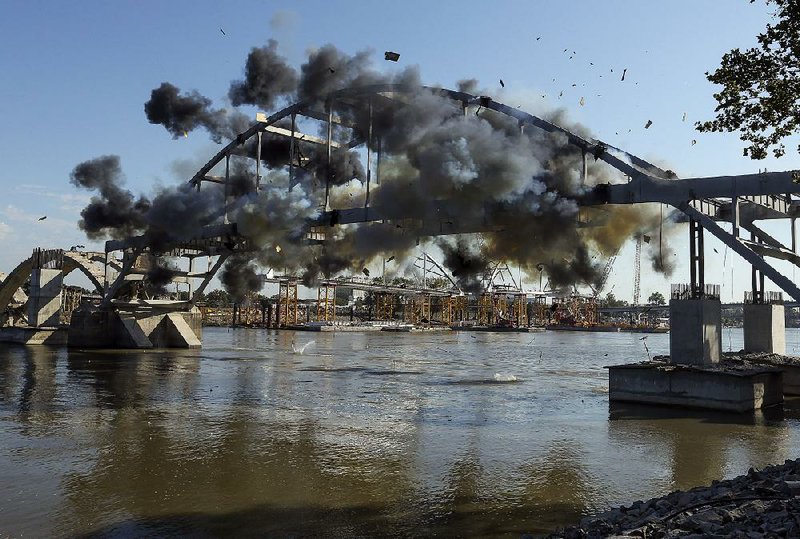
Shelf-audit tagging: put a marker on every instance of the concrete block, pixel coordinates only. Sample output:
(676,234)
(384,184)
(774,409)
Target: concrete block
(132,334)
(695,336)
(179,333)
(765,329)
(733,390)
(44,302)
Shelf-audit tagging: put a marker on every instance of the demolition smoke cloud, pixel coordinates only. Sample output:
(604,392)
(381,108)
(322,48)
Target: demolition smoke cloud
(468,169)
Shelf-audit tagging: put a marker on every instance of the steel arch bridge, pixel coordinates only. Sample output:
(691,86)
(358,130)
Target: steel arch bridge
(705,202)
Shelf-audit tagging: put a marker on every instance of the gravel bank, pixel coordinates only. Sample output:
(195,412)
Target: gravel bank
(759,504)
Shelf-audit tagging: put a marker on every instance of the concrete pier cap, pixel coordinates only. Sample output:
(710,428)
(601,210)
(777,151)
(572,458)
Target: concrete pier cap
(137,324)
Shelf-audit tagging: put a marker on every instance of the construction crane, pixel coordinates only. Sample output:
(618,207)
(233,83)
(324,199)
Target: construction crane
(606,273)
(637,269)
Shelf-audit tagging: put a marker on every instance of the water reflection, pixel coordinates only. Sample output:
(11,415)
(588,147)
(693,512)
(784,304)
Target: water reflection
(362,435)
(702,446)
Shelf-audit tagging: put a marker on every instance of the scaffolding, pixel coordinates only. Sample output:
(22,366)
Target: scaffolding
(576,310)
(287,301)
(420,311)
(485,308)
(249,311)
(326,302)
(519,310)
(384,305)
(70,300)
(541,311)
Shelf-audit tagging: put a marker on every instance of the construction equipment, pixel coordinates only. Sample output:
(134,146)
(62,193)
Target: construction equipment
(637,269)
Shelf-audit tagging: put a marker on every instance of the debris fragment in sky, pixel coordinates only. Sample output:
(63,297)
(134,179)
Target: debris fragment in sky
(43,217)
(694,142)
(365,271)
(331,70)
(391,56)
(502,83)
(277,248)
(390,258)
(223,32)
(583,102)
(648,124)
(538,38)
(623,73)
(646,238)
(684,117)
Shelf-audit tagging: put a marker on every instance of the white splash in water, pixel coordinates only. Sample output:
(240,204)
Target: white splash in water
(302,349)
(501,377)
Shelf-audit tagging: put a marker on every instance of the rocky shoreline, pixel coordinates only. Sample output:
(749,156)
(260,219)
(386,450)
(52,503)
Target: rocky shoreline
(763,503)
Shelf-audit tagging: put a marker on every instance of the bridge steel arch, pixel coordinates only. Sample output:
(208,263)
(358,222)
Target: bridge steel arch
(740,200)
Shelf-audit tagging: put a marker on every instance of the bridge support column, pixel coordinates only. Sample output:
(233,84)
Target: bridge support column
(695,334)
(44,301)
(764,328)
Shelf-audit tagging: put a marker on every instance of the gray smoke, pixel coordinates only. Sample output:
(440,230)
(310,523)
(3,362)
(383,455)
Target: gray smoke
(465,169)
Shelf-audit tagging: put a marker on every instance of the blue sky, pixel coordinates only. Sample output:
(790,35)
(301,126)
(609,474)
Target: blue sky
(75,77)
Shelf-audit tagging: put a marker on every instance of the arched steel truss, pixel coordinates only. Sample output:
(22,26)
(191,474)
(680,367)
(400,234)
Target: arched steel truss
(740,200)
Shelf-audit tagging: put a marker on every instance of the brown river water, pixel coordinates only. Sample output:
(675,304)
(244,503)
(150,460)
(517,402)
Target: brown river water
(362,435)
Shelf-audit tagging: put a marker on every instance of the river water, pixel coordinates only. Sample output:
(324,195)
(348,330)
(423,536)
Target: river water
(364,434)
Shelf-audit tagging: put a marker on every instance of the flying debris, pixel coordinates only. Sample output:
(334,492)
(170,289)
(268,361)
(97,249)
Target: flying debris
(502,83)
(538,38)
(223,32)
(574,85)
(390,258)
(684,117)
(715,250)
(331,70)
(365,271)
(391,56)
(277,248)
(694,142)
(646,238)
(43,217)
(648,124)
(583,101)
(623,73)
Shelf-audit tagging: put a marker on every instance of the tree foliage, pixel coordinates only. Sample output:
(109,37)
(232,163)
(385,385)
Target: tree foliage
(657,298)
(760,94)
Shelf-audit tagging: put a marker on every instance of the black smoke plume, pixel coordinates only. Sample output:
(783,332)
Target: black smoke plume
(240,276)
(115,212)
(267,78)
(180,114)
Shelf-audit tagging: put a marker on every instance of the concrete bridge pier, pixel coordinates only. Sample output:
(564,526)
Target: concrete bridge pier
(44,300)
(764,328)
(695,333)
(694,375)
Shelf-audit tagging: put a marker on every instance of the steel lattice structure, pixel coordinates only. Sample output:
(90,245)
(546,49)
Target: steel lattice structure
(739,200)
